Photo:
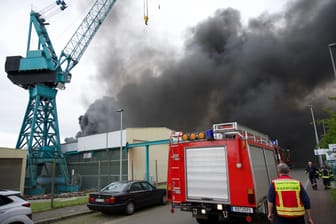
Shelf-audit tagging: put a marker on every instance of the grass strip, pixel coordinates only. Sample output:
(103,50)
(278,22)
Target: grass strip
(333,195)
(39,206)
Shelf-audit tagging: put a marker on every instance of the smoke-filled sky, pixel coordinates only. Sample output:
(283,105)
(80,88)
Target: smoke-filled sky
(261,72)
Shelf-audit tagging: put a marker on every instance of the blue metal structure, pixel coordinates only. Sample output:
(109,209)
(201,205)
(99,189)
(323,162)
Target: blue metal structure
(147,144)
(41,72)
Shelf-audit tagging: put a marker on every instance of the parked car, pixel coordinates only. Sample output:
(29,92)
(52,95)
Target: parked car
(126,196)
(14,208)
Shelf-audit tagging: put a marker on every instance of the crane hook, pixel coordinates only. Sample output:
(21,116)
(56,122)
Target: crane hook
(146,12)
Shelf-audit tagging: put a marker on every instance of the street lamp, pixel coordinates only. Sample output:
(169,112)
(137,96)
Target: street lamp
(316,136)
(330,46)
(120,172)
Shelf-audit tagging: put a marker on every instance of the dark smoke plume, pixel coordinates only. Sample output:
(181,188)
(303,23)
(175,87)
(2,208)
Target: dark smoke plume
(261,75)
(99,118)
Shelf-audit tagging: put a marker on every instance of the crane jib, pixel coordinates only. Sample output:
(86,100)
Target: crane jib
(80,40)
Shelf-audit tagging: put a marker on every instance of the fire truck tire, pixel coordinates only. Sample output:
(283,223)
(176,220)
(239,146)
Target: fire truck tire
(201,221)
(262,217)
(212,219)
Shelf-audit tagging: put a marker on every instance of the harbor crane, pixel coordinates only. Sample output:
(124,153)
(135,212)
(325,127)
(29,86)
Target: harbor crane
(42,73)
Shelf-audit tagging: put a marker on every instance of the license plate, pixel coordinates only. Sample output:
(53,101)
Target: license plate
(242,209)
(99,200)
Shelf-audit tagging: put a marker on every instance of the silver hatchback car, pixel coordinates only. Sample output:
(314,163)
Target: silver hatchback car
(14,208)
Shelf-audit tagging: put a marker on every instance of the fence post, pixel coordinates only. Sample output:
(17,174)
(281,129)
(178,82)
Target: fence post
(156,173)
(98,175)
(53,183)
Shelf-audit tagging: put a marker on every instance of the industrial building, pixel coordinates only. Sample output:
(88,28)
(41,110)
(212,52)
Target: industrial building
(94,161)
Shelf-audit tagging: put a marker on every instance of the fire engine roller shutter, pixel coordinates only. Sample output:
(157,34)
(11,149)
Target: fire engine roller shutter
(206,174)
(260,171)
(271,165)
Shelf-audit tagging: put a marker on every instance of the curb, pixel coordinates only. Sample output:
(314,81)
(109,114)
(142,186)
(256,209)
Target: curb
(61,217)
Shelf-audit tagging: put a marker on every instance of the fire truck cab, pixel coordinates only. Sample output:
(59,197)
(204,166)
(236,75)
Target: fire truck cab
(222,173)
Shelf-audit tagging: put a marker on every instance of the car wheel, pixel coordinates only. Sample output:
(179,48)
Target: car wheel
(130,208)
(164,199)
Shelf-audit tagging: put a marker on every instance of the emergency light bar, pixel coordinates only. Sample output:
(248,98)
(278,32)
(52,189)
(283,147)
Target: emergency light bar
(193,136)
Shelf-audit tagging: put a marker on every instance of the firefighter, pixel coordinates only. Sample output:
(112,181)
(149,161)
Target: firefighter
(288,201)
(326,176)
(313,174)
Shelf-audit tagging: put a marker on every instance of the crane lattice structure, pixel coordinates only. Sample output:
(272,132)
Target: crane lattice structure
(41,72)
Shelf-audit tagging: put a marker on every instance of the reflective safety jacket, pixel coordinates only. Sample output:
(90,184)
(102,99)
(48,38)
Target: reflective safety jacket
(287,197)
(326,173)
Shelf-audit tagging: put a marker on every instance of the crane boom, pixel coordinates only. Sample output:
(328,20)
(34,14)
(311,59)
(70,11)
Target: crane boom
(80,40)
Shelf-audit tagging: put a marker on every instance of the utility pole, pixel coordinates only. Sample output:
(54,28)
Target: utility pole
(330,46)
(316,135)
(120,173)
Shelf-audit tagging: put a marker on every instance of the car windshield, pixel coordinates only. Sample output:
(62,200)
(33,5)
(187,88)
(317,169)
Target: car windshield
(114,187)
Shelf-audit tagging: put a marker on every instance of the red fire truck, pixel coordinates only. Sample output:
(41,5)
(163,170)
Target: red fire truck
(284,155)
(222,173)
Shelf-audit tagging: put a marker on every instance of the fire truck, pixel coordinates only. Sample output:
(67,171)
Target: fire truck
(221,174)
(284,155)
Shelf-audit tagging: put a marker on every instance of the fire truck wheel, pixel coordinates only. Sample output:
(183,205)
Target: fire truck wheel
(212,219)
(202,221)
(262,216)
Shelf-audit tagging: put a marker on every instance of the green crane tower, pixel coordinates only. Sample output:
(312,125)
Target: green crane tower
(42,72)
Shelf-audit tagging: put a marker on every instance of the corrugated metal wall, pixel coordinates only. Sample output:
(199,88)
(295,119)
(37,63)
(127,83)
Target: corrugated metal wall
(12,168)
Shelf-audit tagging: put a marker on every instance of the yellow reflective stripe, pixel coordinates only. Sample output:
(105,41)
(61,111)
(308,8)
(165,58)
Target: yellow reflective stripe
(280,199)
(291,213)
(287,185)
(297,209)
(298,200)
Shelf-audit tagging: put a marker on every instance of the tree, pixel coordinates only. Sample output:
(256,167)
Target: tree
(330,124)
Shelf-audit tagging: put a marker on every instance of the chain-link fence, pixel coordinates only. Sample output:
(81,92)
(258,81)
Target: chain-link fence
(94,170)
(93,175)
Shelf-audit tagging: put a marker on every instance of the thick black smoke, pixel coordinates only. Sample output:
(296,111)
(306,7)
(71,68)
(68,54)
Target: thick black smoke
(261,75)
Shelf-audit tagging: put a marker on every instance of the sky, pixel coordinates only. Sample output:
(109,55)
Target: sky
(196,63)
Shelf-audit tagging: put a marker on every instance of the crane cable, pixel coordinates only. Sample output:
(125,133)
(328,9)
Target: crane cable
(146,11)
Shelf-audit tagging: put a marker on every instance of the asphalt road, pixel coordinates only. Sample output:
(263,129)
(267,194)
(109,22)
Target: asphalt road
(159,214)
(323,210)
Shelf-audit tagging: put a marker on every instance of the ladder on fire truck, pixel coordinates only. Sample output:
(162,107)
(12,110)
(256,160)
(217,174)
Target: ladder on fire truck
(223,130)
